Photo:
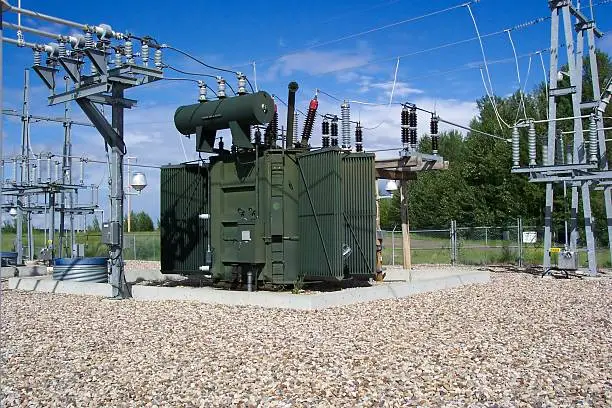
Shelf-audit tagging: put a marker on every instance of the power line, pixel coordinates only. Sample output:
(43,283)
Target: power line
(180,71)
(442,46)
(199,61)
(369,31)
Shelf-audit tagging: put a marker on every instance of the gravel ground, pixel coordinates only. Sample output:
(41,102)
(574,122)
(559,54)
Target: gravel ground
(518,341)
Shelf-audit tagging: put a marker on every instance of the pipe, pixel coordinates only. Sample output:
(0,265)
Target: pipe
(250,280)
(20,43)
(45,17)
(293,87)
(32,30)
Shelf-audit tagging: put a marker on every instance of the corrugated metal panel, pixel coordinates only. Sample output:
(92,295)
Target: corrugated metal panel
(81,269)
(183,235)
(359,212)
(320,215)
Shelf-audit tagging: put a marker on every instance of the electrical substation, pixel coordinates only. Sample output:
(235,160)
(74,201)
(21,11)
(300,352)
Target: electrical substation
(273,206)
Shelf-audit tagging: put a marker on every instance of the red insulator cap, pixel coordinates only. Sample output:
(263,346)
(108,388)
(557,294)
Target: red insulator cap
(314,104)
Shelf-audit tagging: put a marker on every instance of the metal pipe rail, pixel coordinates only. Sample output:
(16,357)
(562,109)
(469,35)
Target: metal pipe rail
(35,31)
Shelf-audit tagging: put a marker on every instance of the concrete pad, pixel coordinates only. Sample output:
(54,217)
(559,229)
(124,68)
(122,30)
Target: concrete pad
(47,285)
(152,275)
(425,282)
(309,301)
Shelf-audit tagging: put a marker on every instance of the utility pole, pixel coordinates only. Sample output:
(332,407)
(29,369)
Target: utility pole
(129,195)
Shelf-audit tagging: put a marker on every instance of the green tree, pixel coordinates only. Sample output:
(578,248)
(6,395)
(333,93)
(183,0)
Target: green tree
(95,225)
(140,221)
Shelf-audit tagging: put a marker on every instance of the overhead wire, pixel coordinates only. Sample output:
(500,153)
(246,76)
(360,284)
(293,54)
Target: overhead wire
(439,47)
(199,61)
(484,59)
(369,31)
(518,74)
(198,74)
(189,80)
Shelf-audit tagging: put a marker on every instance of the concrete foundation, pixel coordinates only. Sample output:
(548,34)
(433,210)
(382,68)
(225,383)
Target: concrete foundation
(23,271)
(415,283)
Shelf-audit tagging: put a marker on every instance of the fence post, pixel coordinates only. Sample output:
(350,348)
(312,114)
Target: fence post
(134,240)
(393,245)
(453,239)
(519,229)
(486,236)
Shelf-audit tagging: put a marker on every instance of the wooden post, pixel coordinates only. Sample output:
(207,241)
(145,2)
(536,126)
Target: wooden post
(405,225)
(379,271)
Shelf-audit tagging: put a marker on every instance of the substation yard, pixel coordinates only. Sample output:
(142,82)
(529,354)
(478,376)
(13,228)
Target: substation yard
(517,341)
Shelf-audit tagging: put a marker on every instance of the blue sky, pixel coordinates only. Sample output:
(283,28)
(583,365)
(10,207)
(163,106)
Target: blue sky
(289,42)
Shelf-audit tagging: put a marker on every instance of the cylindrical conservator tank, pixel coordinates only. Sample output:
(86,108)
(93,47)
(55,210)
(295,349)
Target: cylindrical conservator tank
(81,269)
(250,109)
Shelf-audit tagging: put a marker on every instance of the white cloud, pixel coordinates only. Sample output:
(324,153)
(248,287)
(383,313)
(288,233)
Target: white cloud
(317,62)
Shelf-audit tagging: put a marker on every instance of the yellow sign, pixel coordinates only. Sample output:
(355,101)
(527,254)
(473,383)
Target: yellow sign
(555,250)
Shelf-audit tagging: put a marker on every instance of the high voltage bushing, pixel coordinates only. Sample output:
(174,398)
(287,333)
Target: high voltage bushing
(412,123)
(593,139)
(433,127)
(531,140)
(358,138)
(325,132)
(515,147)
(309,122)
(544,154)
(236,113)
(405,130)
(241,83)
(334,131)
(271,132)
(202,91)
(345,114)
(221,88)
(295,127)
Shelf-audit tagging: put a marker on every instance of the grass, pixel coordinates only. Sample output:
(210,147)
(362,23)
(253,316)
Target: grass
(425,249)
(137,245)
(431,250)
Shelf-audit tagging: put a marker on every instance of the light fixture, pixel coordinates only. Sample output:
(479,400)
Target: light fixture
(13,212)
(139,181)
(560,75)
(391,186)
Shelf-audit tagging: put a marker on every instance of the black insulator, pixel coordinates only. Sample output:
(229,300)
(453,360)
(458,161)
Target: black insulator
(334,129)
(325,127)
(234,149)
(405,135)
(272,129)
(405,117)
(257,136)
(413,137)
(358,138)
(221,143)
(434,142)
(413,117)
(358,134)
(325,141)
(433,126)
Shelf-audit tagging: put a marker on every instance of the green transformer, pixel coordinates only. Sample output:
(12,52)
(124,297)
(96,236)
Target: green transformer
(263,215)
(280,214)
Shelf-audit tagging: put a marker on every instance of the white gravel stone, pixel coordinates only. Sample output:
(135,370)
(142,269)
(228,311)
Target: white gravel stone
(518,341)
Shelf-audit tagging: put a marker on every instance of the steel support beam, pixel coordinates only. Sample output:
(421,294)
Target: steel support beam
(117,281)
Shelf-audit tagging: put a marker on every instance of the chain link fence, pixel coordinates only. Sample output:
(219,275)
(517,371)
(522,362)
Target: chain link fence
(477,245)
